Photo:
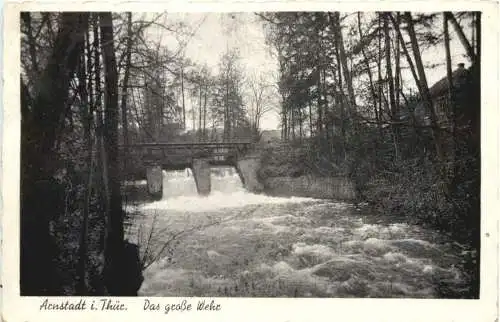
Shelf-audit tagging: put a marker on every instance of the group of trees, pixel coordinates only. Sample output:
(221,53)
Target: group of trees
(338,71)
(174,98)
(69,152)
(354,88)
(90,82)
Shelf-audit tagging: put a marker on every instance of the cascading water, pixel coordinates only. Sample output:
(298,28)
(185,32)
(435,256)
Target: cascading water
(236,243)
(182,183)
(178,183)
(180,194)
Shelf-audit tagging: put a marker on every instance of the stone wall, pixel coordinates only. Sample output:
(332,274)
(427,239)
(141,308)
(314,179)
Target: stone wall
(338,188)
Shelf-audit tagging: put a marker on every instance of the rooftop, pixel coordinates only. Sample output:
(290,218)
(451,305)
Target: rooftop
(459,77)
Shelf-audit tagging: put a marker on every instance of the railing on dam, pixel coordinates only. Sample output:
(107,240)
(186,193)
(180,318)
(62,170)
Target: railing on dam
(181,153)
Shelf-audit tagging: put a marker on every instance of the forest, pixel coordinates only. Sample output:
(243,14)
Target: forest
(351,91)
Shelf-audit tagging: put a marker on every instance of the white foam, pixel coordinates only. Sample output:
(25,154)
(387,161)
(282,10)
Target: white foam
(319,251)
(180,194)
(282,267)
(324,230)
(284,219)
(218,200)
(409,241)
(394,257)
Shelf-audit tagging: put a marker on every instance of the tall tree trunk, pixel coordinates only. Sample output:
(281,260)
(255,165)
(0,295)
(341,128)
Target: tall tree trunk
(85,111)
(412,69)
(341,92)
(26,17)
(103,185)
(343,60)
(284,118)
(115,245)
(319,67)
(451,113)
(368,70)
(476,72)
(397,80)
(473,33)
(449,75)
(205,113)
(126,76)
(193,119)
(405,51)
(90,66)
(199,115)
(326,112)
(182,94)
(284,110)
(320,110)
(227,121)
(426,95)
(461,35)
(477,22)
(378,114)
(392,99)
(475,141)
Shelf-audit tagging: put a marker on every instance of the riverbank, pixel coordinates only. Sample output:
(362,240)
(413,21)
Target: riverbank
(407,189)
(335,188)
(285,170)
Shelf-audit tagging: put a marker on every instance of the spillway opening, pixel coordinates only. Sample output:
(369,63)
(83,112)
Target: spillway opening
(177,183)
(225,180)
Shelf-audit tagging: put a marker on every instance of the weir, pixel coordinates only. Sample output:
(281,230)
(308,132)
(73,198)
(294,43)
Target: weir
(201,170)
(199,157)
(180,185)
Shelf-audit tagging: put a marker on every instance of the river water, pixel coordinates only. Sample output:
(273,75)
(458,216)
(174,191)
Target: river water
(235,243)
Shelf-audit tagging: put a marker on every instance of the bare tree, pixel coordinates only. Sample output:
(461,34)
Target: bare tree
(261,94)
(368,70)
(114,247)
(392,99)
(343,59)
(461,35)
(424,88)
(128,61)
(182,93)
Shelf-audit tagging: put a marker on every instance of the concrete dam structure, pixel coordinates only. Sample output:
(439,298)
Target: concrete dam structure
(199,157)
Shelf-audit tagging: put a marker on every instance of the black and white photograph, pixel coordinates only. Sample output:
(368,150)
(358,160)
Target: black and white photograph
(266,154)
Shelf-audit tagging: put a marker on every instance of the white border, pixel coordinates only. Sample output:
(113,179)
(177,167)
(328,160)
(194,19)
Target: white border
(16,308)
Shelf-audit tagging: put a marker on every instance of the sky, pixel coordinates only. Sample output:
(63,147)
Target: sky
(214,33)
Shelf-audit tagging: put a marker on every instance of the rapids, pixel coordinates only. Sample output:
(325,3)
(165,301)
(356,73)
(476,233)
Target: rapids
(235,243)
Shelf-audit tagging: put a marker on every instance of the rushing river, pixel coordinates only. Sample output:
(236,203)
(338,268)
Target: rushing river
(235,243)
